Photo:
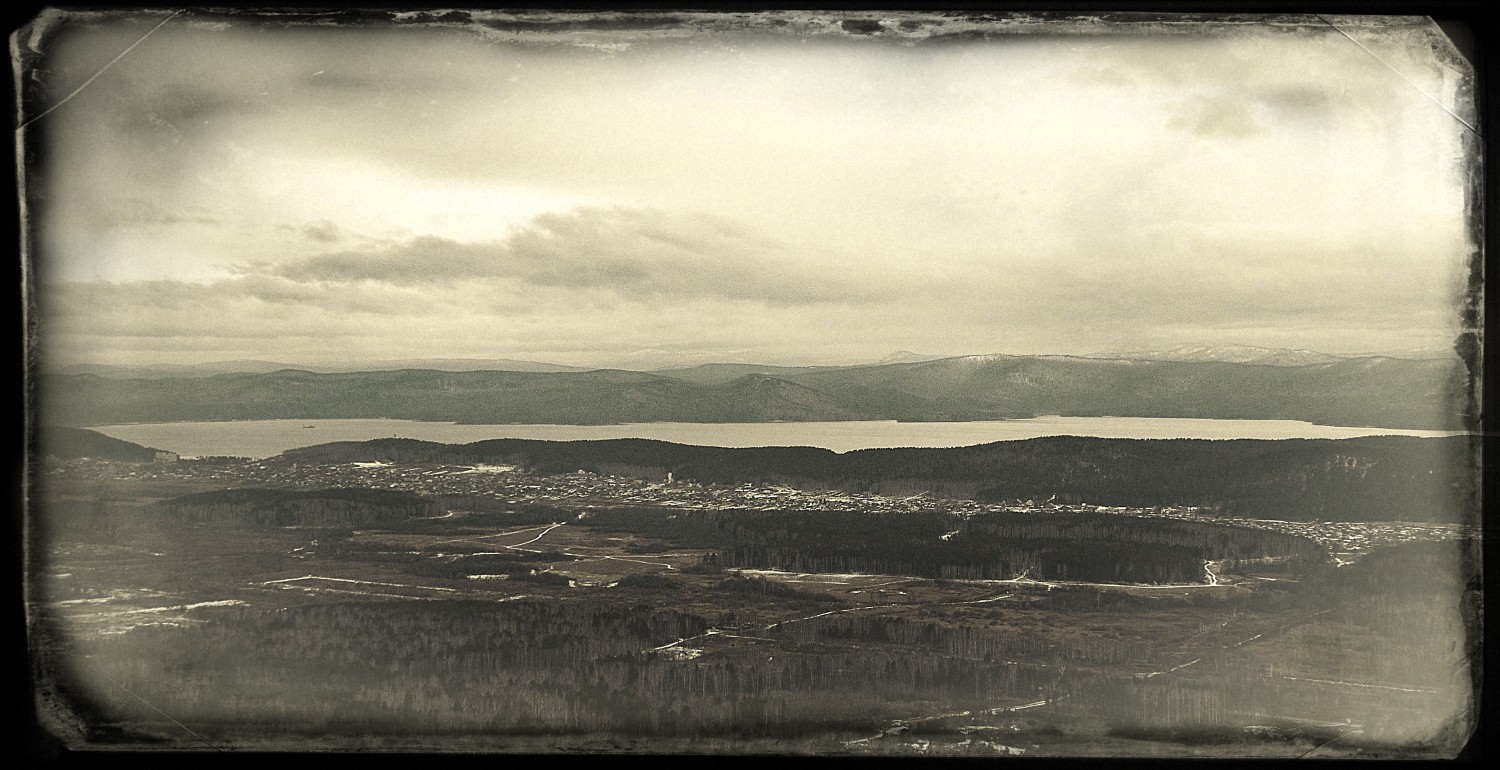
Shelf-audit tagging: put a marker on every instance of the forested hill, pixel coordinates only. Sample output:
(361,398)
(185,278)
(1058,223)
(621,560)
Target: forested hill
(1375,478)
(70,443)
(1380,392)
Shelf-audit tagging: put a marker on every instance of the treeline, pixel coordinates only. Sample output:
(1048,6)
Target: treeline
(492,510)
(1054,546)
(759,586)
(315,508)
(92,519)
(1377,478)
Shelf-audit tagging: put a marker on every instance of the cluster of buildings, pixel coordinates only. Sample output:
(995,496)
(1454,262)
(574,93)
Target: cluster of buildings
(520,487)
(1341,538)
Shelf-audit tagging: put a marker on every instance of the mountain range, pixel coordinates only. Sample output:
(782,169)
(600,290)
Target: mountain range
(1374,392)
(1250,354)
(241,366)
(1233,354)
(655,360)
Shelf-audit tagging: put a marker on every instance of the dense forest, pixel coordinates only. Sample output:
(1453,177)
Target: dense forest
(1378,478)
(1194,669)
(311,508)
(1053,546)
(568,668)
(1380,392)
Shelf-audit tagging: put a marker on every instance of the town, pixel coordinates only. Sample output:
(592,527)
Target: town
(1345,541)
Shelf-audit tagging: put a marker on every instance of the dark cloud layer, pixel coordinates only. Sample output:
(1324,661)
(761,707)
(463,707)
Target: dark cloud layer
(139,211)
(630,252)
(322,231)
(1226,118)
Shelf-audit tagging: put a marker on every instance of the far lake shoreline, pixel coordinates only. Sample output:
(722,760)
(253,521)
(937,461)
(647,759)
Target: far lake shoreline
(266,438)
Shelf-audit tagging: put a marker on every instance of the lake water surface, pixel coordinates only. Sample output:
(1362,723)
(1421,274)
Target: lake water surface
(264,438)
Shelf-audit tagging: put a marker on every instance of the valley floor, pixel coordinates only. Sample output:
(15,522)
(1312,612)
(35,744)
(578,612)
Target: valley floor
(587,637)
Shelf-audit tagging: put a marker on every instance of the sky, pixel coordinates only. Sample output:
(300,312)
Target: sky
(776,190)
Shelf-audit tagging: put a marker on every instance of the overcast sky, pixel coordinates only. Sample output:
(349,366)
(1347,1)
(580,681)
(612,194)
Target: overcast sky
(301,193)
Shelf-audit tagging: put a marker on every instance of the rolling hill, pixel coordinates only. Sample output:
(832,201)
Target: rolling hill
(1374,478)
(71,443)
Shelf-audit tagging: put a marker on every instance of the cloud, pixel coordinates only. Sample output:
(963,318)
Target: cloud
(181,107)
(1037,309)
(139,211)
(275,318)
(322,231)
(1215,118)
(419,261)
(1317,78)
(1295,100)
(119,307)
(633,253)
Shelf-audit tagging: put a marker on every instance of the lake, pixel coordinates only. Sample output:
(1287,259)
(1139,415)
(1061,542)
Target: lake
(264,438)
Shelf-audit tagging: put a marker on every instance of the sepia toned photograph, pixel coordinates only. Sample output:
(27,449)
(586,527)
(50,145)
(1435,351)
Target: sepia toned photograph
(838,384)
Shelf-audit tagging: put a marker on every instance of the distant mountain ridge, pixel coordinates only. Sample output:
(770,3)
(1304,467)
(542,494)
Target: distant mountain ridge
(1251,354)
(1372,392)
(1234,354)
(908,357)
(250,366)
(699,366)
